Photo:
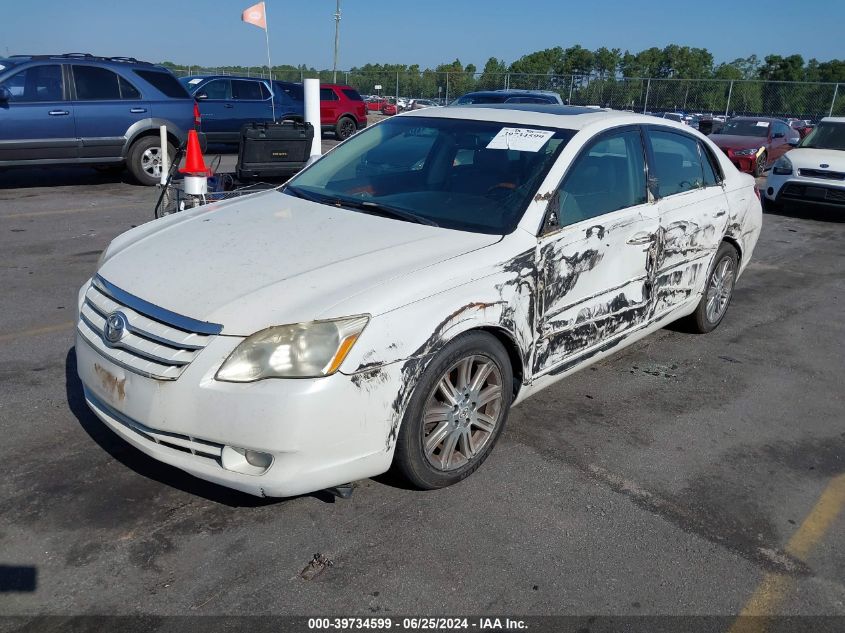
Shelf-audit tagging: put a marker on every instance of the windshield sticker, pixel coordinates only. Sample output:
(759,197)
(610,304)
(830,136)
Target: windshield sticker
(520,139)
(762,124)
(194,81)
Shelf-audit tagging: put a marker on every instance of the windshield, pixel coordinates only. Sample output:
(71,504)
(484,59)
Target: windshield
(454,173)
(826,135)
(746,127)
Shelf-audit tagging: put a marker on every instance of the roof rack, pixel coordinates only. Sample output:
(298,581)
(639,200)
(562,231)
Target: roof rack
(87,57)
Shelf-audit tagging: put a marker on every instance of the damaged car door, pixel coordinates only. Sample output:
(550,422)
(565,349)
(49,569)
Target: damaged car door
(596,254)
(693,213)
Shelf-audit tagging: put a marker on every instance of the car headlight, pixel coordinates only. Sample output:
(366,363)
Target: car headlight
(301,350)
(751,151)
(782,167)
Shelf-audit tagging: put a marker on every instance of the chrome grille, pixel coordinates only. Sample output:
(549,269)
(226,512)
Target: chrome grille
(155,342)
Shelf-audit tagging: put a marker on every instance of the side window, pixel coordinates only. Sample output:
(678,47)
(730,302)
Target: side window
(218,89)
(712,175)
(127,90)
(608,176)
(95,84)
(36,83)
(677,164)
(327,94)
(245,90)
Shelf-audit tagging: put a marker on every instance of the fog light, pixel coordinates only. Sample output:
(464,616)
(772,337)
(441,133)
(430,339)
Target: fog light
(259,460)
(241,460)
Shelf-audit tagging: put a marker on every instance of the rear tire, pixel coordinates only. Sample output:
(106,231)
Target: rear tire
(717,291)
(457,412)
(144,160)
(345,128)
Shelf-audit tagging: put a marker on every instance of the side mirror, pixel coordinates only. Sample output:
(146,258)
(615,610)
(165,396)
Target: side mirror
(5,94)
(201,96)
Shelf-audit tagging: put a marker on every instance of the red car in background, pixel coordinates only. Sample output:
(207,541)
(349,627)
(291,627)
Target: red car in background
(803,126)
(381,104)
(342,110)
(754,143)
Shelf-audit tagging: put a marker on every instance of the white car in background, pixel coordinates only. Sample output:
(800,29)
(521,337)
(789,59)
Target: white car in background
(390,303)
(813,172)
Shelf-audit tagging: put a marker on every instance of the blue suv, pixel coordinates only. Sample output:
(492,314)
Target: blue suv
(228,102)
(82,109)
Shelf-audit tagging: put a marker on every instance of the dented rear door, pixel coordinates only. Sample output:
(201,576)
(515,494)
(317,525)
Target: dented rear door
(596,271)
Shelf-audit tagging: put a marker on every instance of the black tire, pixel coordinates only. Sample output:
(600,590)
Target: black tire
(703,320)
(410,460)
(760,166)
(137,162)
(345,128)
(770,206)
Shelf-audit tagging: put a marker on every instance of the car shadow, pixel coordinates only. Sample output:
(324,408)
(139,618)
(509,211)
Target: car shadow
(148,467)
(800,211)
(29,177)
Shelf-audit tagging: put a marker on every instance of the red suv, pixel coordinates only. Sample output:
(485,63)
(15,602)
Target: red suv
(342,110)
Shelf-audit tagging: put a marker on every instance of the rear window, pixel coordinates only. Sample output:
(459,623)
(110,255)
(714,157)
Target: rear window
(352,94)
(294,91)
(327,94)
(165,83)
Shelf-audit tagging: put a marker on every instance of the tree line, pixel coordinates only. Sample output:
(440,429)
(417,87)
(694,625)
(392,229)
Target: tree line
(609,76)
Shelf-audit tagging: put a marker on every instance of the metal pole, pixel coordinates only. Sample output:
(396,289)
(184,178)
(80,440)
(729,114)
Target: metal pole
(647,90)
(730,94)
(833,103)
(269,63)
(508,81)
(571,84)
(336,41)
(447,88)
(397,91)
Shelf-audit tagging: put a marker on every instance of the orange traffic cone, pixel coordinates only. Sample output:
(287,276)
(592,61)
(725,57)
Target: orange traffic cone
(194,162)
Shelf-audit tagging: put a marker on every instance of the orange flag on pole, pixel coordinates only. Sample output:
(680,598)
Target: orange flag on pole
(256,15)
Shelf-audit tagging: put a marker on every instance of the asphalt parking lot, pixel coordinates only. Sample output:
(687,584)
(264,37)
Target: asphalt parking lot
(688,474)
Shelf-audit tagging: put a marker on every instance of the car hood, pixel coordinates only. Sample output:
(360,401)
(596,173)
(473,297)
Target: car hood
(731,141)
(270,259)
(810,158)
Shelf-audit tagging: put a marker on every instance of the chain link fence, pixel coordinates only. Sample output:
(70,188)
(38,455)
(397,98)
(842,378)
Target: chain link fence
(803,100)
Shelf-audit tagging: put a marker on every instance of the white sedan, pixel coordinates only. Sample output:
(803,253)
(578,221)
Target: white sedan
(389,304)
(814,172)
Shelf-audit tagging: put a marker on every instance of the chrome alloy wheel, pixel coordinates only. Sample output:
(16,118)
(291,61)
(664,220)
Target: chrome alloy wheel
(151,161)
(462,412)
(719,289)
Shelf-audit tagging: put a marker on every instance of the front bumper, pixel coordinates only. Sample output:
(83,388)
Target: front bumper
(814,191)
(320,432)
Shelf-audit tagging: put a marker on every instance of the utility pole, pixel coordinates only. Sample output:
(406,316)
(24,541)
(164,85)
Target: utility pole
(336,40)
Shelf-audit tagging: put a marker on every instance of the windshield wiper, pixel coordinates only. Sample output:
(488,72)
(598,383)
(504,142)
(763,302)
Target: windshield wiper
(387,211)
(299,193)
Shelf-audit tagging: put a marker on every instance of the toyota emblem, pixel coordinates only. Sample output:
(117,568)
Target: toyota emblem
(115,327)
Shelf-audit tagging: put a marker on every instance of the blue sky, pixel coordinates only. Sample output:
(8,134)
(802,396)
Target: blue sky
(426,32)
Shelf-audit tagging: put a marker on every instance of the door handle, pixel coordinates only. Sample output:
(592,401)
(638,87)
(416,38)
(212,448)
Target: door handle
(720,213)
(228,105)
(58,113)
(137,110)
(641,238)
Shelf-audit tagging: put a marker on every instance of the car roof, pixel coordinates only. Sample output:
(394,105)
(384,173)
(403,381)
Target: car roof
(834,119)
(513,91)
(770,119)
(546,115)
(81,58)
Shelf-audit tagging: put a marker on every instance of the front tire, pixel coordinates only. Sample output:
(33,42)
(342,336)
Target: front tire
(718,291)
(457,412)
(144,160)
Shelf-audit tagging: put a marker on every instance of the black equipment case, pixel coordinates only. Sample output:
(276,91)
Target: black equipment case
(273,150)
